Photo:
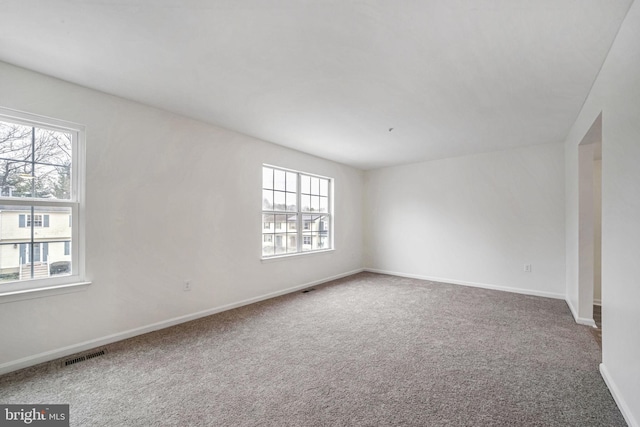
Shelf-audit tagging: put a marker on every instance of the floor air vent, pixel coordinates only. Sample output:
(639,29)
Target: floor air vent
(82,358)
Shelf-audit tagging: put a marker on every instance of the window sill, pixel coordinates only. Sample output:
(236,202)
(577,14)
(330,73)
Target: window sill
(296,255)
(47,291)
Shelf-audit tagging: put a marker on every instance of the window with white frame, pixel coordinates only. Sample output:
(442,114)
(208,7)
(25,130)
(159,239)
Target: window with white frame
(301,201)
(41,178)
(37,220)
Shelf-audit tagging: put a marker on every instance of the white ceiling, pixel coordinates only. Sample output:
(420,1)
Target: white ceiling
(330,77)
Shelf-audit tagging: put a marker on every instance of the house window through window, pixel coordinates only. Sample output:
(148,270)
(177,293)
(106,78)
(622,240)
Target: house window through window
(303,203)
(41,178)
(38,221)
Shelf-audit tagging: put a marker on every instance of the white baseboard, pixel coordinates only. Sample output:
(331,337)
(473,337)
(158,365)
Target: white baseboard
(617,396)
(472,284)
(47,356)
(597,302)
(580,320)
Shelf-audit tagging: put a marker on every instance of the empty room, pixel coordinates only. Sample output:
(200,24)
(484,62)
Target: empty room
(296,213)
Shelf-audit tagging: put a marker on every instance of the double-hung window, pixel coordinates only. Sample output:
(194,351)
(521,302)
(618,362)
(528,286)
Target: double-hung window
(302,204)
(41,181)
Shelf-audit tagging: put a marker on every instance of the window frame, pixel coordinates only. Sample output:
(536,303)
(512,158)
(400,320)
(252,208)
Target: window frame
(32,288)
(298,225)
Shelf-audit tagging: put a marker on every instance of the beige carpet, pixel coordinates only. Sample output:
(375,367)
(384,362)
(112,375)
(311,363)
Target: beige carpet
(368,350)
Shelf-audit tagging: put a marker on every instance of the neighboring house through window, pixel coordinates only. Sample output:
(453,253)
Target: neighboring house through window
(302,202)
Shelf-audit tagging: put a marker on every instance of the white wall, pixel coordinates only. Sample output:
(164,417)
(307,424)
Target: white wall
(472,220)
(616,93)
(168,199)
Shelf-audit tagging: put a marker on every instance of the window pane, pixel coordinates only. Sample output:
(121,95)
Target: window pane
(53,182)
(323,225)
(324,242)
(280,244)
(292,244)
(281,222)
(52,158)
(315,203)
(268,223)
(267,178)
(267,200)
(268,219)
(324,204)
(279,201)
(315,185)
(53,179)
(305,183)
(279,180)
(292,222)
(267,244)
(59,258)
(292,181)
(48,254)
(9,262)
(15,158)
(19,179)
(306,203)
(324,187)
(292,202)
(267,236)
(53,147)
(307,242)
(315,241)
(309,222)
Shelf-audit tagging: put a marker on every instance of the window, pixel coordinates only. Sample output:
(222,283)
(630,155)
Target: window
(300,201)
(41,182)
(37,221)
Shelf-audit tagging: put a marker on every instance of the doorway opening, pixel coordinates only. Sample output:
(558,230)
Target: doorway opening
(590,228)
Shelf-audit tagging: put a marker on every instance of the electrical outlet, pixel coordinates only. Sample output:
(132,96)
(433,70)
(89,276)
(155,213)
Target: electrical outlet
(527,268)
(187,286)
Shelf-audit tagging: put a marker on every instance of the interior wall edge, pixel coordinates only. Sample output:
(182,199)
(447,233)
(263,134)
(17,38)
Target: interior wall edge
(579,320)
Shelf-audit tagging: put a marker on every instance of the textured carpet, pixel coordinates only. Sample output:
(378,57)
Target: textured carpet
(366,350)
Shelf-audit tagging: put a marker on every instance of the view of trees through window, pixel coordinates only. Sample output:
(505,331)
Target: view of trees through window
(34,162)
(35,236)
(296,213)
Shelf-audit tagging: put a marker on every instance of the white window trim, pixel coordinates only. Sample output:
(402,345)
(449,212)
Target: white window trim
(299,223)
(35,288)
